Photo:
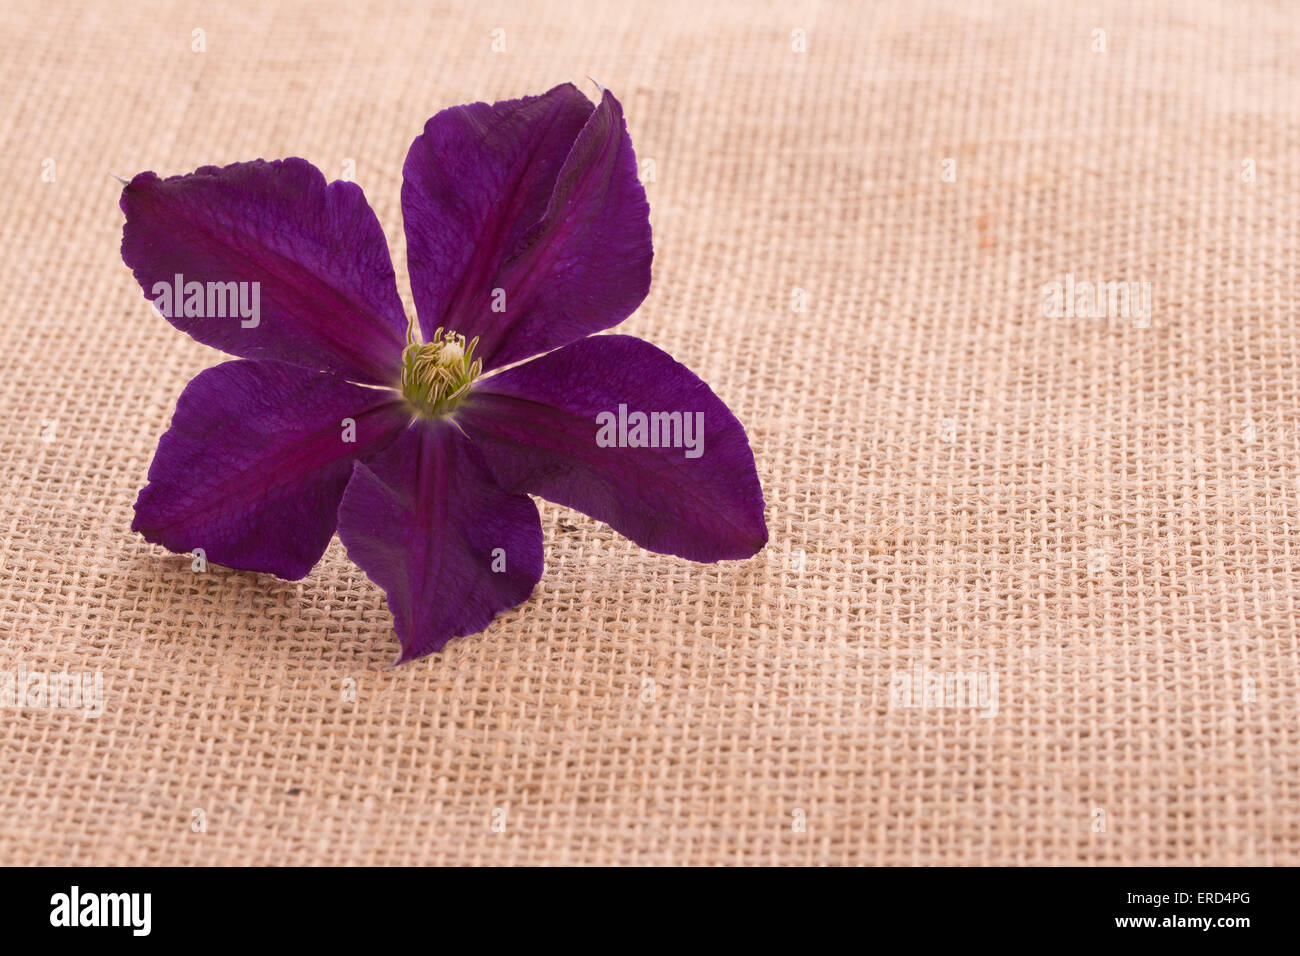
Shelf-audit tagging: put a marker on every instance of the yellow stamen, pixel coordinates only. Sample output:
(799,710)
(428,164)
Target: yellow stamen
(437,373)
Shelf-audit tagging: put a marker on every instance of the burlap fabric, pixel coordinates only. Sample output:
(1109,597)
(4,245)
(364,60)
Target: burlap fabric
(854,224)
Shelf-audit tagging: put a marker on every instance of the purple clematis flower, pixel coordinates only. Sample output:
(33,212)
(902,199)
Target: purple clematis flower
(527,231)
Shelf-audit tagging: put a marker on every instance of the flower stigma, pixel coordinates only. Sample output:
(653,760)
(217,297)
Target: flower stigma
(437,374)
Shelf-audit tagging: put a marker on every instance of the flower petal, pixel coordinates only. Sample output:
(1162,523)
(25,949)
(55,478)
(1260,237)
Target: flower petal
(526,224)
(451,550)
(539,424)
(256,460)
(326,294)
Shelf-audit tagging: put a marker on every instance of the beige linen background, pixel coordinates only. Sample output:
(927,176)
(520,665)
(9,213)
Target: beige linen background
(1098,516)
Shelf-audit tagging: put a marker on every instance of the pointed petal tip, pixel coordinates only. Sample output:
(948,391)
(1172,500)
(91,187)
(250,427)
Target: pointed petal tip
(416,652)
(755,542)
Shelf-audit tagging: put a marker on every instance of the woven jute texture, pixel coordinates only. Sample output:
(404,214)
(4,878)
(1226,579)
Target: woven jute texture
(1089,520)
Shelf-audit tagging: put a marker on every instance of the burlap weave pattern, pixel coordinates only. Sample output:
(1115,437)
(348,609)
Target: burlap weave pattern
(853,228)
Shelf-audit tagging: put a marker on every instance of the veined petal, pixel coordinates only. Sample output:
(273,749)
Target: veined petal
(256,460)
(426,523)
(564,427)
(526,224)
(306,261)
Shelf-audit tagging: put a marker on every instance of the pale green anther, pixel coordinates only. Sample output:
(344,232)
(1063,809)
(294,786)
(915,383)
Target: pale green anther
(437,374)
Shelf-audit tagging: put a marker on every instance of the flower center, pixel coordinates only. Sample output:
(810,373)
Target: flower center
(436,374)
